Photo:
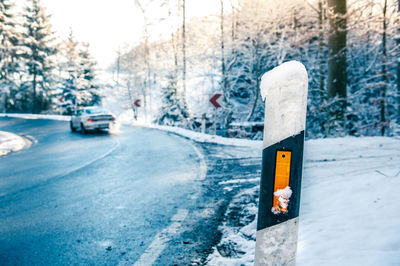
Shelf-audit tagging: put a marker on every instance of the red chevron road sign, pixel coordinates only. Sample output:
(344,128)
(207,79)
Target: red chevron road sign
(214,100)
(137,103)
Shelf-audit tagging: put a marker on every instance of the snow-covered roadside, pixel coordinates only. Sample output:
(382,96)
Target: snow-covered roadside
(349,206)
(206,138)
(10,142)
(126,118)
(36,116)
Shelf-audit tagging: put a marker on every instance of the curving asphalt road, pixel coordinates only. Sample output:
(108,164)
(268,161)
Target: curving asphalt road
(97,199)
(140,197)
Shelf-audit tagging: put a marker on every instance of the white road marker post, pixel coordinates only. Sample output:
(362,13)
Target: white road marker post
(203,123)
(285,90)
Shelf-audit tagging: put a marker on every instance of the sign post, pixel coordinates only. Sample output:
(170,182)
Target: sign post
(285,90)
(216,104)
(136,104)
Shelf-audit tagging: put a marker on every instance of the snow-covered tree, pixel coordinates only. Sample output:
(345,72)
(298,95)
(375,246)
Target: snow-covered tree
(264,33)
(69,69)
(173,111)
(79,86)
(89,87)
(38,51)
(9,38)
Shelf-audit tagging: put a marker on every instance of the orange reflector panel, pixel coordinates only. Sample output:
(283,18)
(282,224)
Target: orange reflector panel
(282,177)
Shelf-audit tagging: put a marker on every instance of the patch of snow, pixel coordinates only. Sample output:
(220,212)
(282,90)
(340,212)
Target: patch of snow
(284,90)
(247,124)
(37,116)
(237,246)
(10,142)
(206,138)
(283,196)
(238,181)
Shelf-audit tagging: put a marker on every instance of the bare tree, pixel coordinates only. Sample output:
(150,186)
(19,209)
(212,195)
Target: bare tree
(147,81)
(184,49)
(223,79)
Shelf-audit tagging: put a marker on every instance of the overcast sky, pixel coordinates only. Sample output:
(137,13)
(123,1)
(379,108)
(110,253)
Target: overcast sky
(107,25)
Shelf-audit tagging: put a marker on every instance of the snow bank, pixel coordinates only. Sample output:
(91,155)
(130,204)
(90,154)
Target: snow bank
(10,142)
(349,207)
(285,90)
(200,137)
(36,116)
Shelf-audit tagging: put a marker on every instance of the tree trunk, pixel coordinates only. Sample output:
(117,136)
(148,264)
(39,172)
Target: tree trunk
(233,23)
(384,73)
(257,79)
(131,100)
(222,52)
(175,51)
(321,59)
(34,94)
(337,64)
(398,60)
(148,70)
(184,50)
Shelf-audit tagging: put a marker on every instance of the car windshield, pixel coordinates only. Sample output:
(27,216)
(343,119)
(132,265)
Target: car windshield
(96,111)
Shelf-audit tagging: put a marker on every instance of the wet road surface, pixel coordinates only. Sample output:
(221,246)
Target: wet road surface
(102,199)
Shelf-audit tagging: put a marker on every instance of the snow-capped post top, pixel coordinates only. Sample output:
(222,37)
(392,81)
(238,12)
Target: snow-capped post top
(285,90)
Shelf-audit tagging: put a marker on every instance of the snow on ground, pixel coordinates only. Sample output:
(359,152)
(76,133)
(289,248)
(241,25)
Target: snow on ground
(126,118)
(10,142)
(349,206)
(350,202)
(237,246)
(349,212)
(199,137)
(36,116)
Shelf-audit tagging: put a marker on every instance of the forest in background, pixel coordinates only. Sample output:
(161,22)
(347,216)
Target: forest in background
(350,49)
(39,74)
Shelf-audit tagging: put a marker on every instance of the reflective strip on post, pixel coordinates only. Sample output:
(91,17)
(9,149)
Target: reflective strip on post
(285,89)
(281,181)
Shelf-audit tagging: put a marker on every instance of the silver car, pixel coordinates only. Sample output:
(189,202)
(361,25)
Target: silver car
(92,118)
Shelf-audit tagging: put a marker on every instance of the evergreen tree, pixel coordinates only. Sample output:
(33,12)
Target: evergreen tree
(172,110)
(79,86)
(88,87)
(38,51)
(8,55)
(69,69)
